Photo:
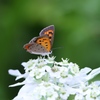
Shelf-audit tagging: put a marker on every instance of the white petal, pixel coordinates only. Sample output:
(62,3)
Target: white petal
(14,72)
(93,73)
(85,70)
(17,84)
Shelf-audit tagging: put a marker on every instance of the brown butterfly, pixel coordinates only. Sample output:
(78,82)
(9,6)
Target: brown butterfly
(42,44)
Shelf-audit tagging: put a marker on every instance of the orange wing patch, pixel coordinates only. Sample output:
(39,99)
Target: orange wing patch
(45,42)
(27,46)
(49,33)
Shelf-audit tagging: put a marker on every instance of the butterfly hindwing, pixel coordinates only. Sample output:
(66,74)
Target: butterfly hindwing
(35,48)
(33,40)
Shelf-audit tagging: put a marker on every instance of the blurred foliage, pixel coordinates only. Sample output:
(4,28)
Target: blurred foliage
(77,32)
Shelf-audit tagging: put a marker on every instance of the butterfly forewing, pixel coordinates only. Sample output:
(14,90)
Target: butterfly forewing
(45,42)
(49,31)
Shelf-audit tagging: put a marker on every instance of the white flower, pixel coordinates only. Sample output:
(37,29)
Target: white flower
(88,92)
(46,79)
(93,91)
(38,92)
(79,97)
(74,68)
(64,94)
(63,62)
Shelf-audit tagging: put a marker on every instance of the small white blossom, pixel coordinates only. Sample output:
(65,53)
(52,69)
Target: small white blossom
(74,68)
(88,92)
(46,79)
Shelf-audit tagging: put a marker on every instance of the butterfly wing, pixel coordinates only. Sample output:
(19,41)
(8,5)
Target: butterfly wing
(48,31)
(33,40)
(29,45)
(39,45)
(35,48)
(45,42)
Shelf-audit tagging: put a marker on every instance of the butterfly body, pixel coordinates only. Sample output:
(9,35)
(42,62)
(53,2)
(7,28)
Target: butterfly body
(42,44)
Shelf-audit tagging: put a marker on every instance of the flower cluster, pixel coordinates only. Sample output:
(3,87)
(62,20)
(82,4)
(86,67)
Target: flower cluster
(46,79)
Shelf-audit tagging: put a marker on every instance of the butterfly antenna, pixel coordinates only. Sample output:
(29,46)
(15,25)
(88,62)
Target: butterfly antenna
(57,48)
(54,49)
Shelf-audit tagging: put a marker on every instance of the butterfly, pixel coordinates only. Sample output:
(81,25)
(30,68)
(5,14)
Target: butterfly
(42,44)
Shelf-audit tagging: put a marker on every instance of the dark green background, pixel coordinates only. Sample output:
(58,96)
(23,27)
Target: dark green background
(77,32)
